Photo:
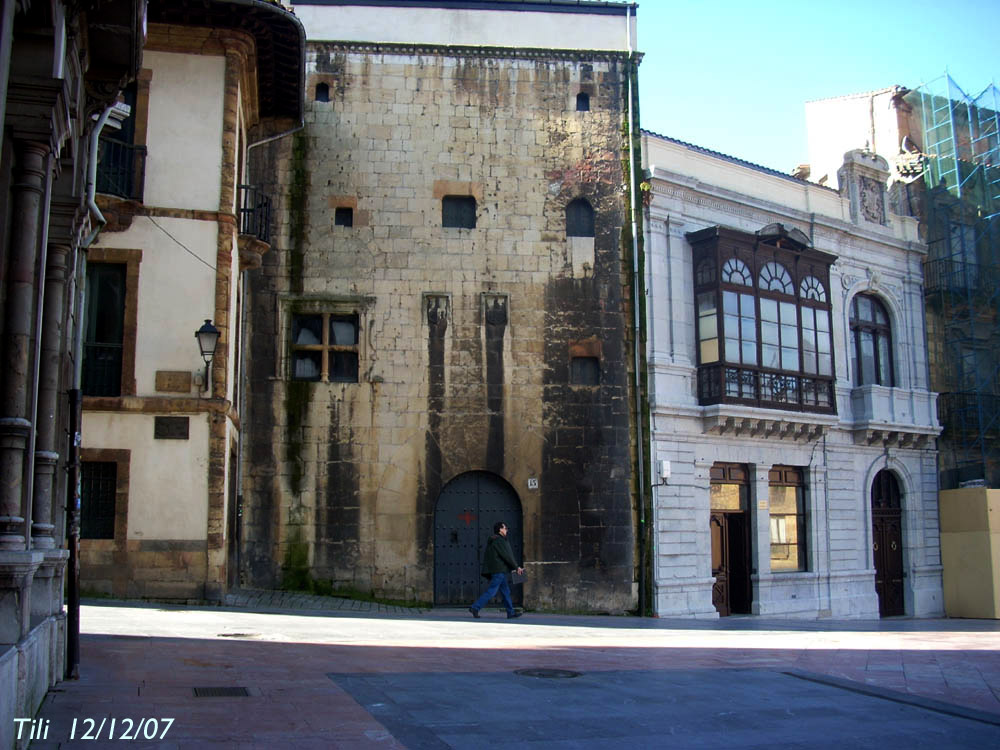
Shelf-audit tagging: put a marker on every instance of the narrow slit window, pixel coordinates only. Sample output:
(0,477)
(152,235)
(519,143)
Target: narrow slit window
(458,211)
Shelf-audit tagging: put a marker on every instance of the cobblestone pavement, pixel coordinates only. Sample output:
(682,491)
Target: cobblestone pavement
(327,675)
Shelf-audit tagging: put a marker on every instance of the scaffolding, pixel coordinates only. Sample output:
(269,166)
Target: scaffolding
(960,137)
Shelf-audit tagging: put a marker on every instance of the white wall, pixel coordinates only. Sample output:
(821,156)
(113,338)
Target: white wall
(168,479)
(465,27)
(184,136)
(176,292)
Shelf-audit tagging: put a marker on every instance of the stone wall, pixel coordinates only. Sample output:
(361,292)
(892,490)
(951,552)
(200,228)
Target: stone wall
(467,334)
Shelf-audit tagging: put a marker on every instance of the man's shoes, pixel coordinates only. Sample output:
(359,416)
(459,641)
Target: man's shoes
(475,612)
(512,615)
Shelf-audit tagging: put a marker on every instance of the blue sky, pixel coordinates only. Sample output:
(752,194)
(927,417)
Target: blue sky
(734,76)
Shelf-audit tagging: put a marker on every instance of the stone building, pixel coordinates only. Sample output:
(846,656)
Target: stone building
(61,65)
(162,442)
(793,429)
(443,337)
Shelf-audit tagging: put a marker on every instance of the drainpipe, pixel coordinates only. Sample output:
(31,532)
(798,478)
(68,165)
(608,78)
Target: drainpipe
(637,327)
(95,212)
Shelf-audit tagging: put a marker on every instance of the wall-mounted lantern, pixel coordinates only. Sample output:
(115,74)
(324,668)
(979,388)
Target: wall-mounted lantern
(208,338)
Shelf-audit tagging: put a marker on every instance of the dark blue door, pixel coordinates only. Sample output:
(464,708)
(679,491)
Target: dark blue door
(466,510)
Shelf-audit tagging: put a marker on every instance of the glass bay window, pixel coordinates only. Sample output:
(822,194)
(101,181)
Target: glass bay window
(772,344)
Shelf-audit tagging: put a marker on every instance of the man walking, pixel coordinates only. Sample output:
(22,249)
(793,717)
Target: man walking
(498,560)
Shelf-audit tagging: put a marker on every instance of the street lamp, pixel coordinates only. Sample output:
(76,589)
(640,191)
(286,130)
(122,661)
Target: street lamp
(208,337)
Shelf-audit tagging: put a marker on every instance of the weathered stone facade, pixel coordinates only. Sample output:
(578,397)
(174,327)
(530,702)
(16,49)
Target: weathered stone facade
(467,335)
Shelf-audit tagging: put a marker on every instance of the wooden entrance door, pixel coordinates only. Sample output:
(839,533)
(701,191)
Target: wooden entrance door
(463,522)
(887,544)
(732,592)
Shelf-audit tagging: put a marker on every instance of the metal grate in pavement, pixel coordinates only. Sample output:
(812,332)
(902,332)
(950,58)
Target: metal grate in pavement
(551,674)
(221,692)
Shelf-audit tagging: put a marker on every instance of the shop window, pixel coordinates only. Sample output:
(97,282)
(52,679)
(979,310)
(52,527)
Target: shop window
(871,353)
(786,499)
(324,348)
(458,211)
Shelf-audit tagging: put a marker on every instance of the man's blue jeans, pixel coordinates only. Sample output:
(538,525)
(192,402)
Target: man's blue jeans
(498,581)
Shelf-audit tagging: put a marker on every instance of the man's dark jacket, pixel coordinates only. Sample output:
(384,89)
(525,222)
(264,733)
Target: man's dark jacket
(498,558)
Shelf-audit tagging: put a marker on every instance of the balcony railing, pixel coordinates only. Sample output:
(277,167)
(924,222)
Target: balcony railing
(255,213)
(753,386)
(102,370)
(121,169)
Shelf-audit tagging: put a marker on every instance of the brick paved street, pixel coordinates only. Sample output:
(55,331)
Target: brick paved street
(331,673)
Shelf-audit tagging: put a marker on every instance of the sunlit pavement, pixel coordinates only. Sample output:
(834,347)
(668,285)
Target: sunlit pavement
(362,677)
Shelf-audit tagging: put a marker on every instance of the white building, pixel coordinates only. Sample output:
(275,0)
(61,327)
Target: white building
(793,432)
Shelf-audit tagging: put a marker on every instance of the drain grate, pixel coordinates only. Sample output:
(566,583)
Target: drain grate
(221,692)
(551,674)
(237,635)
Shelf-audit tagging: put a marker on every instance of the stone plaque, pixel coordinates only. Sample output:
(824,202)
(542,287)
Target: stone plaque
(173,381)
(170,428)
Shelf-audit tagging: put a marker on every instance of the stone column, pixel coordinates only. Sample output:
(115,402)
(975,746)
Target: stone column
(26,202)
(46,455)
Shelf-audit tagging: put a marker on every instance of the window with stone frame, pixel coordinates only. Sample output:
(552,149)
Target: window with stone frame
(871,342)
(763,319)
(324,347)
(98,492)
(786,501)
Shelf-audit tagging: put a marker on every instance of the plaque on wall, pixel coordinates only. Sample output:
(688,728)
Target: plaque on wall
(170,428)
(173,381)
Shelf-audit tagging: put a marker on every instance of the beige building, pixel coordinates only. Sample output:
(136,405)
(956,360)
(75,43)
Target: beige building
(444,336)
(161,443)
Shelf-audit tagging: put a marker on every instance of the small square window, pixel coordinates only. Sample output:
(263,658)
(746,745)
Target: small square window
(583,102)
(343,217)
(458,211)
(325,348)
(585,371)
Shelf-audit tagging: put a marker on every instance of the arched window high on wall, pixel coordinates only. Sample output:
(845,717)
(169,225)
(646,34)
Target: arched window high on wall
(871,342)
(579,218)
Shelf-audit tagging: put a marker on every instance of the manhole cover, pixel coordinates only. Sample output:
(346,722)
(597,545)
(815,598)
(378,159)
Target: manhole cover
(551,674)
(221,692)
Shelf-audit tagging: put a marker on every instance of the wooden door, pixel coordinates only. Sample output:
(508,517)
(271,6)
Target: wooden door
(887,544)
(463,522)
(729,525)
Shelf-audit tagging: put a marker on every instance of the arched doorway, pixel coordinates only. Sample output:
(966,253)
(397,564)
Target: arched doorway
(466,510)
(887,543)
